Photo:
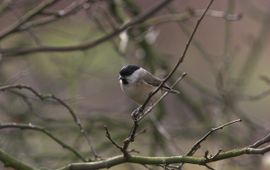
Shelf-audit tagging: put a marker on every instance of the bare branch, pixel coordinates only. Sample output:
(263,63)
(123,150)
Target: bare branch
(102,27)
(78,123)
(146,167)
(133,133)
(141,109)
(180,60)
(171,143)
(46,132)
(32,13)
(130,138)
(24,98)
(163,19)
(91,44)
(10,161)
(67,11)
(61,102)
(164,95)
(197,145)
(19,86)
(259,96)
(113,161)
(260,142)
(209,167)
(108,135)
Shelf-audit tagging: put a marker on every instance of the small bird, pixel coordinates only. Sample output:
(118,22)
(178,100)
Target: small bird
(137,83)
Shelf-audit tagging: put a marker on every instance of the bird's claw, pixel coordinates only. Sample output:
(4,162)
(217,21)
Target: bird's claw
(137,113)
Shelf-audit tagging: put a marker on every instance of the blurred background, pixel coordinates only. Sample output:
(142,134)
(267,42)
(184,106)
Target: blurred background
(227,66)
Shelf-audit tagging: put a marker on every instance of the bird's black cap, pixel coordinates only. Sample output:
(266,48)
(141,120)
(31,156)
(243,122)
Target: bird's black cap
(128,70)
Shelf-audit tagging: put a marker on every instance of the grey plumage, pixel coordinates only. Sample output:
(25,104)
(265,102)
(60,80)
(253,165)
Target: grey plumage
(155,81)
(137,83)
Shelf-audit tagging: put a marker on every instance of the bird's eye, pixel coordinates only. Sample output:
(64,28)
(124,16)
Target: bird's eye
(124,81)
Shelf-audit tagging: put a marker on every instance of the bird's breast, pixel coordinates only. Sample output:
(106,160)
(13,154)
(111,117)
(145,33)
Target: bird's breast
(140,91)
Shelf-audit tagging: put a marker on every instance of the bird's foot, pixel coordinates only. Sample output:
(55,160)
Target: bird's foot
(137,113)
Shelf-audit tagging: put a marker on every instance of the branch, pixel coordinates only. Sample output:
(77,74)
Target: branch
(67,11)
(140,110)
(190,14)
(262,141)
(29,15)
(197,145)
(164,95)
(10,161)
(130,138)
(181,58)
(87,45)
(61,102)
(124,148)
(108,135)
(259,96)
(77,122)
(24,98)
(43,130)
(108,163)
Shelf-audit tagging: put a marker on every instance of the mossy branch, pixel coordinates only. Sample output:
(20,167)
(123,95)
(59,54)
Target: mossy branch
(10,161)
(145,160)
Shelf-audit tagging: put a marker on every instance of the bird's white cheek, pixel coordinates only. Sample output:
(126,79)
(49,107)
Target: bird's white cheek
(122,85)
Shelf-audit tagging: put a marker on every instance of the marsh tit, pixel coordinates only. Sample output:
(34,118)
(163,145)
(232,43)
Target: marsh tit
(137,83)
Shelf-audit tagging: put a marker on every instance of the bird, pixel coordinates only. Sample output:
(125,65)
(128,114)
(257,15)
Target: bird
(137,83)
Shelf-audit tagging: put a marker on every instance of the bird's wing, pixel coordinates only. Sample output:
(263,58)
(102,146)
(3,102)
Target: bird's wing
(155,81)
(151,79)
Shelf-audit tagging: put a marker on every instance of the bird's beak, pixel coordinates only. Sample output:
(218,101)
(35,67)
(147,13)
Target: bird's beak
(120,78)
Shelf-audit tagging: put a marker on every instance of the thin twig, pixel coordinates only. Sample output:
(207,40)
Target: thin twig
(180,17)
(181,58)
(108,135)
(102,27)
(25,99)
(171,144)
(42,97)
(46,132)
(29,15)
(204,54)
(130,138)
(91,44)
(78,123)
(60,14)
(133,131)
(145,113)
(13,163)
(262,141)
(140,132)
(209,167)
(146,167)
(197,145)
(218,152)
(136,121)
(259,96)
